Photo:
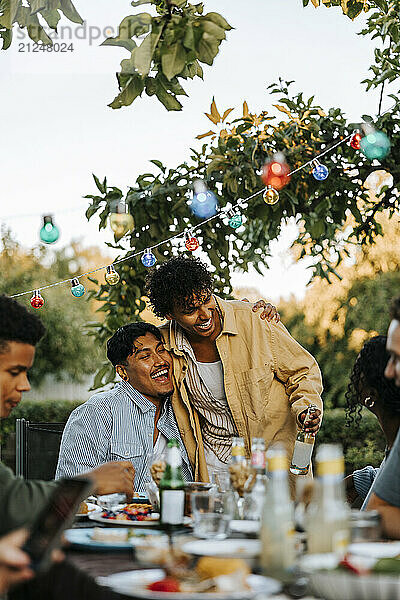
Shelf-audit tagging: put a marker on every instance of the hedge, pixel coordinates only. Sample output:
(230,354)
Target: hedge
(362,445)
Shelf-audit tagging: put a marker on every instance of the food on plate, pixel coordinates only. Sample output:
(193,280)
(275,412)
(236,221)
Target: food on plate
(157,470)
(168,584)
(213,566)
(130,512)
(108,535)
(83,508)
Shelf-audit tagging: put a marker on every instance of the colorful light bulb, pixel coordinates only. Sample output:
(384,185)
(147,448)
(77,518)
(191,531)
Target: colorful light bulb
(270,196)
(319,172)
(77,288)
(148,258)
(191,242)
(235,219)
(111,276)
(121,221)
(204,203)
(355,140)
(375,145)
(276,172)
(37,301)
(49,233)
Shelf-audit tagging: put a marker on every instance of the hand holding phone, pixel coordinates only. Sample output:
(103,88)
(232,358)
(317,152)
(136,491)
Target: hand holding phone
(56,516)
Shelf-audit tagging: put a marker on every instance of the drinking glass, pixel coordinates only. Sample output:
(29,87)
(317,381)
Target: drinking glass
(212,513)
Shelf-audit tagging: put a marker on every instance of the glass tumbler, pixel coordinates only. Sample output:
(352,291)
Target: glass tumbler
(212,513)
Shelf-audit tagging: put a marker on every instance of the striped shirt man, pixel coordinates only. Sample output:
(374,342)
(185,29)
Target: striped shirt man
(117,425)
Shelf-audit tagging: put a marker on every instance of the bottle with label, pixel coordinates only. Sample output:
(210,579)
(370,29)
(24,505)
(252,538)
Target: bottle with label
(327,518)
(277,526)
(303,446)
(172,492)
(257,482)
(238,453)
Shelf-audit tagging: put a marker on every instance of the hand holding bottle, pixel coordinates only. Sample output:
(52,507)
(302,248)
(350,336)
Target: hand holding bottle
(313,420)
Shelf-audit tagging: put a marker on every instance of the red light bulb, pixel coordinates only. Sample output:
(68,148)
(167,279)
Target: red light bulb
(191,243)
(276,173)
(37,300)
(355,140)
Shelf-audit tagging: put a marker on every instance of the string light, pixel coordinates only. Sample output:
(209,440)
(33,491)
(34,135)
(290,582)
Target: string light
(121,221)
(235,219)
(355,140)
(49,233)
(270,195)
(276,172)
(77,288)
(319,172)
(111,276)
(204,203)
(191,242)
(375,144)
(148,258)
(37,300)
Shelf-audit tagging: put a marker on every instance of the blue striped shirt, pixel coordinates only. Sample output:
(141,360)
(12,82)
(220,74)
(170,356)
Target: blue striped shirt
(117,425)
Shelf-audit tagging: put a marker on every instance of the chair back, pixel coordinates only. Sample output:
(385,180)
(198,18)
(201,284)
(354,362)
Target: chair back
(37,448)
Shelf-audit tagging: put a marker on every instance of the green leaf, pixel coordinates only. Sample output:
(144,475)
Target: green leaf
(127,44)
(70,11)
(140,2)
(99,185)
(52,17)
(143,55)
(213,29)
(134,89)
(7,38)
(159,165)
(173,60)
(37,5)
(169,101)
(9,9)
(218,20)
(188,40)
(134,25)
(207,48)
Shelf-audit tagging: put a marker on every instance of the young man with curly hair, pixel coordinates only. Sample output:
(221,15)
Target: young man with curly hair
(234,374)
(386,494)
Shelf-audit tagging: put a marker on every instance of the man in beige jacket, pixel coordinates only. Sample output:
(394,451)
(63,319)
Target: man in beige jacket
(234,374)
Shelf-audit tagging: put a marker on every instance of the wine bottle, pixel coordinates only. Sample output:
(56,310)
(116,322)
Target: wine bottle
(303,446)
(172,492)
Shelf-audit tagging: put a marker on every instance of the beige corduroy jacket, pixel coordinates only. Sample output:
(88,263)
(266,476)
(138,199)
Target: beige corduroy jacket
(269,380)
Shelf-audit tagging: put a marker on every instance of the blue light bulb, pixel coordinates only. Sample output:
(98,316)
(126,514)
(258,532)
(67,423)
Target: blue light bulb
(204,203)
(375,145)
(77,288)
(148,258)
(319,172)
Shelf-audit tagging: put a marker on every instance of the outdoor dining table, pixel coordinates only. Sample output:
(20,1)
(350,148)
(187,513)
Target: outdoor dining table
(75,578)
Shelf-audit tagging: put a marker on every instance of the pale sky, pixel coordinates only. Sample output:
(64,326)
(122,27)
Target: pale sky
(56,128)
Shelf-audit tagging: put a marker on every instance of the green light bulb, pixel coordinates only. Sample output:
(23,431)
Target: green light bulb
(49,233)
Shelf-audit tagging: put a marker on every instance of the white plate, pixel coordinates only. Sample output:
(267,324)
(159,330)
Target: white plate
(245,526)
(152,523)
(92,509)
(376,549)
(339,585)
(133,583)
(228,548)
(83,538)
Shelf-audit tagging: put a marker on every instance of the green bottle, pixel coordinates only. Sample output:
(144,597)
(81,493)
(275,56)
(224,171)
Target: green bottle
(172,487)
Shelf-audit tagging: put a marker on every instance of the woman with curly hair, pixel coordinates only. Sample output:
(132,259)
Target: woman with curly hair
(370,388)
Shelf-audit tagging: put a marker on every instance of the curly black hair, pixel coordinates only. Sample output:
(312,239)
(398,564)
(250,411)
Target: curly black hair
(120,345)
(394,310)
(17,324)
(176,282)
(369,368)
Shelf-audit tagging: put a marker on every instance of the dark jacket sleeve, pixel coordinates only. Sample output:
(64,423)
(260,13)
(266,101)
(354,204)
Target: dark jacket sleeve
(21,500)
